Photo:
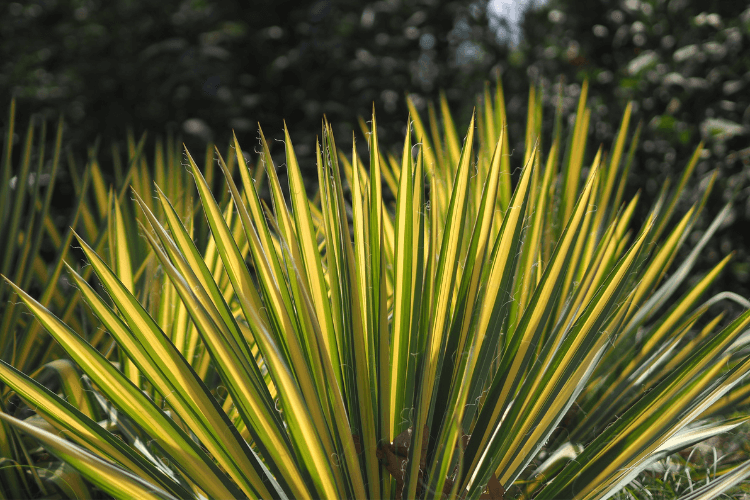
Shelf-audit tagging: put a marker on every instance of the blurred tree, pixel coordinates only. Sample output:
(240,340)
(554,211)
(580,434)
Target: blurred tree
(685,66)
(204,67)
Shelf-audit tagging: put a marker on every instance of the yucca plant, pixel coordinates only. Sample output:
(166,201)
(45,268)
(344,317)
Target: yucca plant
(25,221)
(27,186)
(466,340)
(28,179)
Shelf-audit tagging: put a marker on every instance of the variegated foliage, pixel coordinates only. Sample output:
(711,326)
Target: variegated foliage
(311,347)
(29,221)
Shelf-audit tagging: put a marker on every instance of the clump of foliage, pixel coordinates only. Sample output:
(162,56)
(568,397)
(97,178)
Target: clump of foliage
(471,334)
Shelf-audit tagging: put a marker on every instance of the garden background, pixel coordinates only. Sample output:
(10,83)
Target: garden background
(200,69)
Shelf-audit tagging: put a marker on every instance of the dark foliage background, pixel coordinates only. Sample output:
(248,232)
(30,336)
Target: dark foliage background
(205,67)
(685,65)
(201,68)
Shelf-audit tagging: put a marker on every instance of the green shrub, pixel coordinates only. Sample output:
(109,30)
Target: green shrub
(526,340)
